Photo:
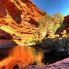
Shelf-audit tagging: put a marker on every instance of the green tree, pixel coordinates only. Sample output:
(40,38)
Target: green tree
(58,18)
(45,24)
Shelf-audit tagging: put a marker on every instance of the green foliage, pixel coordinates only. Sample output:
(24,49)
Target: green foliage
(58,18)
(30,41)
(42,25)
(45,23)
(55,27)
(50,23)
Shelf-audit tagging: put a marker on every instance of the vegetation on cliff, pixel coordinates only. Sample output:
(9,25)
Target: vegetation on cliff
(27,25)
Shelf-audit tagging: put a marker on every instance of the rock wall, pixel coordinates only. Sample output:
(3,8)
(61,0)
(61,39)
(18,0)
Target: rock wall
(66,20)
(19,17)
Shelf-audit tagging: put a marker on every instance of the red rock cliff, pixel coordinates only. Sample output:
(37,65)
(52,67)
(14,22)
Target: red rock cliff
(66,20)
(21,16)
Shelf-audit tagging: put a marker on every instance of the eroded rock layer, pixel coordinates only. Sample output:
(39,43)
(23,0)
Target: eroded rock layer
(19,18)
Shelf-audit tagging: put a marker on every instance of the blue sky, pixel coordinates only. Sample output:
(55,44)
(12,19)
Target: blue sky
(53,6)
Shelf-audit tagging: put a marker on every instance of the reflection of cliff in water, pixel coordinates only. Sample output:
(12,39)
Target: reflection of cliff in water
(54,49)
(6,43)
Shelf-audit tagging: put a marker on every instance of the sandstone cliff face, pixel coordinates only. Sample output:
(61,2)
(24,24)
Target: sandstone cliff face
(66,21)
(20,17)
(28,10)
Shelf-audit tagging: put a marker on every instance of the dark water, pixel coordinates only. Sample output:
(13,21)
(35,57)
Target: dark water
(57,56)
(5,46)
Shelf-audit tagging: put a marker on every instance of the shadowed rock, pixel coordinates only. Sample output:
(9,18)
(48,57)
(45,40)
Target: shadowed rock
(7,43)
(4,35)
(6,40)
(57,44)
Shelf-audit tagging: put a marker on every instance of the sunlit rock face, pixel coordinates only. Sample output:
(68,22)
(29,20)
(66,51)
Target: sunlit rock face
(29,10)
(20,18)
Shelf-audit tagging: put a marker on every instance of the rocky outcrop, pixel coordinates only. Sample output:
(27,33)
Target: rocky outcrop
(66,20)
(28,10)
(20,17)
(64,25)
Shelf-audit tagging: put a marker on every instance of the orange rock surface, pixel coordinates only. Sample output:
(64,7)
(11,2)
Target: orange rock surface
(23,21)
(19,19)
